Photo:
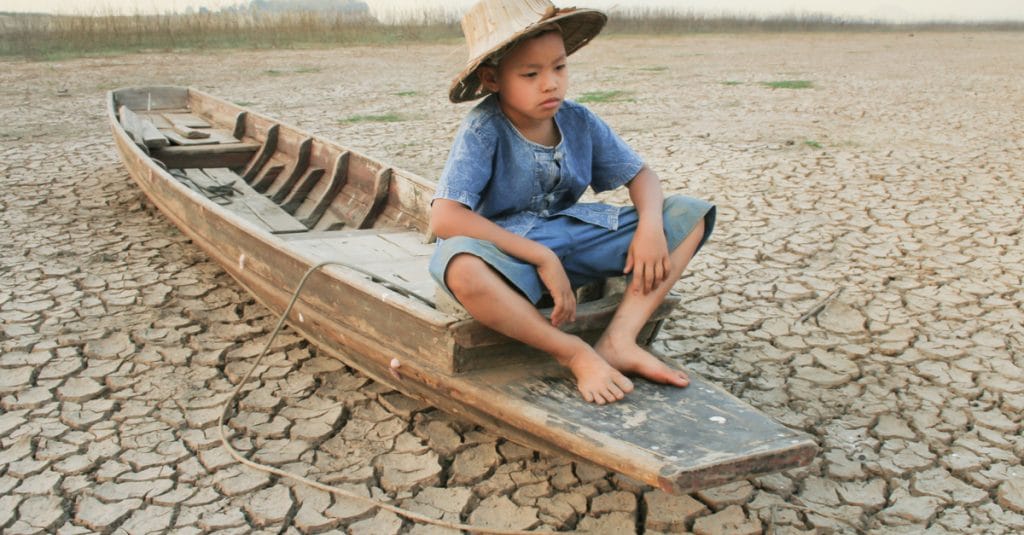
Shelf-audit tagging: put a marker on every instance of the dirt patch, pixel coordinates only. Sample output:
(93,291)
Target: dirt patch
(883,164)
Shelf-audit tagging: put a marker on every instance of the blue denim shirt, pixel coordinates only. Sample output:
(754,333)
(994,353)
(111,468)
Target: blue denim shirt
(517,183)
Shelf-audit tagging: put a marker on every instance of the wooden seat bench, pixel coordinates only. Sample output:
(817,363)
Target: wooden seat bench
(397,257)
(210,155)
(181,139)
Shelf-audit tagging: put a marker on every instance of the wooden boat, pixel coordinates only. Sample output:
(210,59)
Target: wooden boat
(267,201)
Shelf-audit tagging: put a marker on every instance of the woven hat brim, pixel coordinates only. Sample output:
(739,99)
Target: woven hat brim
(579,27)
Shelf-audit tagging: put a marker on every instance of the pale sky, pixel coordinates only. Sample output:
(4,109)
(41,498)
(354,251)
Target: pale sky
(889,10)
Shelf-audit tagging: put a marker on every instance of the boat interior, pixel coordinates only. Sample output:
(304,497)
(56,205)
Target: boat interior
(325,201)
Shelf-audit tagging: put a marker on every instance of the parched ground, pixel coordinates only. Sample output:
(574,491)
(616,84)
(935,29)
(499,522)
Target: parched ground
(864,284)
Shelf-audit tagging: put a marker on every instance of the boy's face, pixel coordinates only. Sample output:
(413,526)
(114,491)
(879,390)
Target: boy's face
(531,79)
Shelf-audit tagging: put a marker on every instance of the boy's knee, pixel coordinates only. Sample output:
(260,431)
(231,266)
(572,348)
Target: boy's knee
(462,275)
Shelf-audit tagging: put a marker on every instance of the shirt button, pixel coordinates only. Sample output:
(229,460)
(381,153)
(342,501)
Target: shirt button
(558,156)
(549,197)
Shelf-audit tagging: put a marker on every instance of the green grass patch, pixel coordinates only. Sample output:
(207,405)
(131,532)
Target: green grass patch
(243,103)
(789,84)
(406,93)
(382,118)
(812,144)
(603,96)
(300,70)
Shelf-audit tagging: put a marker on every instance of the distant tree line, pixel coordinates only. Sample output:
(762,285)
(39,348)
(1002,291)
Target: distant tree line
(348,7)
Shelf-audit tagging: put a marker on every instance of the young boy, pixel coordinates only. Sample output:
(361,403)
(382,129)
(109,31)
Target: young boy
(507,210)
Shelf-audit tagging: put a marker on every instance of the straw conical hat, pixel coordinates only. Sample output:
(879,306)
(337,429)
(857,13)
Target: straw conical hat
(491,25)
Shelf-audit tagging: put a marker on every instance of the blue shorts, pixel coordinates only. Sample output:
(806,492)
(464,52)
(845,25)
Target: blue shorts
(588,252)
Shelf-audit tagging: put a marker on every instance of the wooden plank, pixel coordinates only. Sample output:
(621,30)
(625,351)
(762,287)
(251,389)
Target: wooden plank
(187,125)
(157,119)
(411,241)
(356,247)
(246,202)
(191,133)
(218,155)
(213,136)
(142,131)
(239,131)
(280,191)
(266,151)
(267,177)
(297,197)
(353,205)
(381,185)
(412,275)
(408,202)
(702,435)
(377,259)
(318,206)
(185,121)
(181,140)
(410,271)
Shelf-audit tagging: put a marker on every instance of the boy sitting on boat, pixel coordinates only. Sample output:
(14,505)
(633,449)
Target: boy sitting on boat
(507,210)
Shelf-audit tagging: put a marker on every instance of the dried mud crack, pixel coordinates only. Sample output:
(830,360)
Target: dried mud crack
(895,178)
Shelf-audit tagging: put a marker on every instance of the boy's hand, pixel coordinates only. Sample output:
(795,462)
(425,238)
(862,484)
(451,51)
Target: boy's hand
(647,259)
(552,274)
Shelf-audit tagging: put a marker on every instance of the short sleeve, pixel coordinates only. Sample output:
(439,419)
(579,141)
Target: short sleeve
(469,167)
(614,162)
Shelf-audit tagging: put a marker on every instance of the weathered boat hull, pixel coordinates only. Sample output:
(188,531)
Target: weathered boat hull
(318,200)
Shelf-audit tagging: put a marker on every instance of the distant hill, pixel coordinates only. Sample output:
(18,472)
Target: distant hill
(349,7)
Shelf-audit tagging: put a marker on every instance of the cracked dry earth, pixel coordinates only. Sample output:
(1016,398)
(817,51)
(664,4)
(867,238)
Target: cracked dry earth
(864,285)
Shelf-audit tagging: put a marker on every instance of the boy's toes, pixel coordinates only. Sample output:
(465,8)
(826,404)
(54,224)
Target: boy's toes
(623,383)
(677,378)
(591,395)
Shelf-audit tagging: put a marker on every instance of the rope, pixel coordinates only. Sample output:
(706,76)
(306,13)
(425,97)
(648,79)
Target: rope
(411,515)
(216,193)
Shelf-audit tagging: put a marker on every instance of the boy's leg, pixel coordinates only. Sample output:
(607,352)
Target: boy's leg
(488,297)
(618,344)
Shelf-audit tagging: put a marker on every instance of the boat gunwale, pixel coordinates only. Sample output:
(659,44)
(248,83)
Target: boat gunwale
(401,173)
(347,277)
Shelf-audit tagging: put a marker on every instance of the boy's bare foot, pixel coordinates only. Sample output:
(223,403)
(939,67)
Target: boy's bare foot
(596,380)
(630,358)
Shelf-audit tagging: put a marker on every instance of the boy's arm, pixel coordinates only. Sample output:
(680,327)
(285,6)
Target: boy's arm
(450,218)
(648,257)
